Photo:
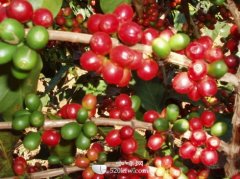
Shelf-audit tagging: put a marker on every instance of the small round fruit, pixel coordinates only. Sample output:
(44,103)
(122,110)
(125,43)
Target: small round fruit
(126,132)
(91,62)
(219,129)
(161,47)
(82,115)
(53,160)
(82,142)
(182,83)
(112,73)
(149,35)
(109,23)
(209,157)
(195,51)
(89,129)
(93,22)
(127,113)
(129,146)
(32,101)
(150,116)
(124,12)
(20,122)
(6,52)
(25,58)
(208,118)
(37,119)
(148,69)
(187,150)
(179,41)
(155,142)
(11,31)
(42,17)
(172,112)
(19,169)
(32,140)
(92,154)
(82,161)
(89,101)
(217,69)
(113,138)
(67,160)
(161,125)
(180,126)
(102,158)
(51,137)
(100,43)
(20,10)
(70,131)
(207,87)
(37,38)
(198,70)
(130,33)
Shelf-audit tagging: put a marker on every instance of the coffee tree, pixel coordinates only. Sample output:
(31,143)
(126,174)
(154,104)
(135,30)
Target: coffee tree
(119,89)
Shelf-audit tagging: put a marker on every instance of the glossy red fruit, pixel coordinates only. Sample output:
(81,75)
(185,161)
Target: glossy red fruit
(20,10)
(232,61)
(166,34)
(175,172)
(155,142)
(197,70)
(198,137)
(113,138)
(149,35)
(148,69)
(3,13)
(92,154)
(91,62)
(137,60)
(207,87)
(43,17)
(194,94)
(192,174)
(124,12)
(208,118)
(112,73)
(122,55)
(195,123)
(196,157)
(209,157)
(213,143)
(167,161)
(93,23)
(114,113)
(88,173)
(98,176)
(81,161)
(130,33)
(150,116)
(187,150)
(213,54)
(19,169)
(100,43)
(182,83)
(195,51)
(232,44)
(51,137)
(20,160)
(109,23)
(236,176)
(97,146)
(129,146)
(126,78)
(123,100)
(126,132)
(89,101)
(69,111)
(127,113)
(206,42)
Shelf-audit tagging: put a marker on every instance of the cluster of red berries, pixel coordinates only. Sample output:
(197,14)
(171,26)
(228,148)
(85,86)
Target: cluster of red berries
(150,16)
(124,138)
(22,11)
(21,167)
(68,21)
(122,108)
(201,148)
(115,63)
(207,66)
(207,19)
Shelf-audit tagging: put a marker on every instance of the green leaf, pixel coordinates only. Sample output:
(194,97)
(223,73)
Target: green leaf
(108,6)
(104,130)
(53,6)
(151,93)
(142,151)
